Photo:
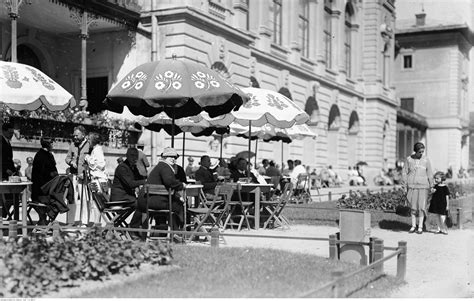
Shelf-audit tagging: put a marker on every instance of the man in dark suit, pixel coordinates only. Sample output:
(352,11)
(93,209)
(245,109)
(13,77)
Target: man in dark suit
(8,167)
(205,175)
(162,174)
(241,171)
(126,179)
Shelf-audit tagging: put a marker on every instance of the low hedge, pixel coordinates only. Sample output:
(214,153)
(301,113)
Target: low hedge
(36,265)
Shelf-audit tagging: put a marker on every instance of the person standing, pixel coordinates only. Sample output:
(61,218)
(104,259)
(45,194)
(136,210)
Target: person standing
(439,204)
(75,158)
(95,161)
(417,179)
(44,170)
(29,168)
(8,167)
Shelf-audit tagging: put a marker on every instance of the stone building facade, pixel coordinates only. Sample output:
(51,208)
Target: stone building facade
(334,58)
(432,72)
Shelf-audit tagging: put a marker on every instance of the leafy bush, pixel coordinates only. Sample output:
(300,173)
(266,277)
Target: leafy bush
(33,266)
(386,201)
(459,189)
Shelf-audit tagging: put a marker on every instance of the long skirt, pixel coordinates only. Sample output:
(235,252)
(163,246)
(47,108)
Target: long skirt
(418,197)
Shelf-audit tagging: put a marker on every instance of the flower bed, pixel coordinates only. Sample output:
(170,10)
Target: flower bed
(34,266)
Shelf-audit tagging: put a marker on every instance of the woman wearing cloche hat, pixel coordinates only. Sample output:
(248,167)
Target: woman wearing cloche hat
(164,174)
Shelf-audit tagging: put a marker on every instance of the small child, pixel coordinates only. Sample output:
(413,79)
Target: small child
(440,201)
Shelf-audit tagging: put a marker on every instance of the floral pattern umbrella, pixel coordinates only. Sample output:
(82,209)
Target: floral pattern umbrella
(179,88)
(264,107)
(23,87)
(272,133)
(196,125)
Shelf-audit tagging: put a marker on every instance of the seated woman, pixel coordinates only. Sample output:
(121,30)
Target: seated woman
(162,174)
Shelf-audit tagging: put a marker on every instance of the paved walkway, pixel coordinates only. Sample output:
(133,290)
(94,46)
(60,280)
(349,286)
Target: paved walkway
(437,265)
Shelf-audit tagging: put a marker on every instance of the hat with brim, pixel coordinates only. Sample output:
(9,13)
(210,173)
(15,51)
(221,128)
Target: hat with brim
(169,152)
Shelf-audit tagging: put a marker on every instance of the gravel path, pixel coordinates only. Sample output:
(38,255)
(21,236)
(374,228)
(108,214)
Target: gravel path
(437,265)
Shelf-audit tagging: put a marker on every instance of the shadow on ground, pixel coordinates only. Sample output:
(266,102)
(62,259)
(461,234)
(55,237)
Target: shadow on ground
(394,225)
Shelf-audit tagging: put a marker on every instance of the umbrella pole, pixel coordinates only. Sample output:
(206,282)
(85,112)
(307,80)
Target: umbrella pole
(220,156)
(282,156)
(172,131)
(250,146)
(256,149)
(184,139)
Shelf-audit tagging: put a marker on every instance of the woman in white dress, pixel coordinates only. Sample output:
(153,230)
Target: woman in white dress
(96,164)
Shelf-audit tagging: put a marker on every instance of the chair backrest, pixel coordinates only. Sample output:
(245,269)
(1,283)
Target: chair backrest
(156,189)
(287,192)
(302,180)
(99,198)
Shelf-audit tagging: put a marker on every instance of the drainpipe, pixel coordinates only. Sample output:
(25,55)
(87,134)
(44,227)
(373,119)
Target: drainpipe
(154,57)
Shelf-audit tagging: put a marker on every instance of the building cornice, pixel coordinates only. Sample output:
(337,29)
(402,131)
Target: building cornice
(123,13)
(412,118)
(463,29)
(195,16)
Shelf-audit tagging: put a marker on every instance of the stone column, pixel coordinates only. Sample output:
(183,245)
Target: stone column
(336,41)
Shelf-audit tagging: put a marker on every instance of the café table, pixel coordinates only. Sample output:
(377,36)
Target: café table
(17,188)
(256,189)
(194,191)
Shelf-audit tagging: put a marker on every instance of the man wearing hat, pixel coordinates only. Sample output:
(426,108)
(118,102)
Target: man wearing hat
(162,174)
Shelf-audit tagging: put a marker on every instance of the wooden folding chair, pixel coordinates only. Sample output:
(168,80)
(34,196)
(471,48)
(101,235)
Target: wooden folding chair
(112,212)
(301,191)
(275,207)
(238,209)
(210,213)
(152,214)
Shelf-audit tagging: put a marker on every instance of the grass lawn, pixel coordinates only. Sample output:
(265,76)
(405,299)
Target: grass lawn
(327,213)
(206,272)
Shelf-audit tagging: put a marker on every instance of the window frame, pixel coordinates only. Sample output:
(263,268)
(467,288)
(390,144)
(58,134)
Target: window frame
(303,28)
(277,18)
(412,63)
(327,34)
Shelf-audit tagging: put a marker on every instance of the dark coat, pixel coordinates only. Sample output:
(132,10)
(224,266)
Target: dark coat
(235,175)
(205,176)
(163,174)
(52,194)
(126,179)
(44,170)
(7,158)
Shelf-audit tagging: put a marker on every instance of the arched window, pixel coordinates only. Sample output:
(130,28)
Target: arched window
(354,123)
(254,82)
(221,69)
(286,92)
(312,109)
(334,121)
(26,55)
(349,13)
